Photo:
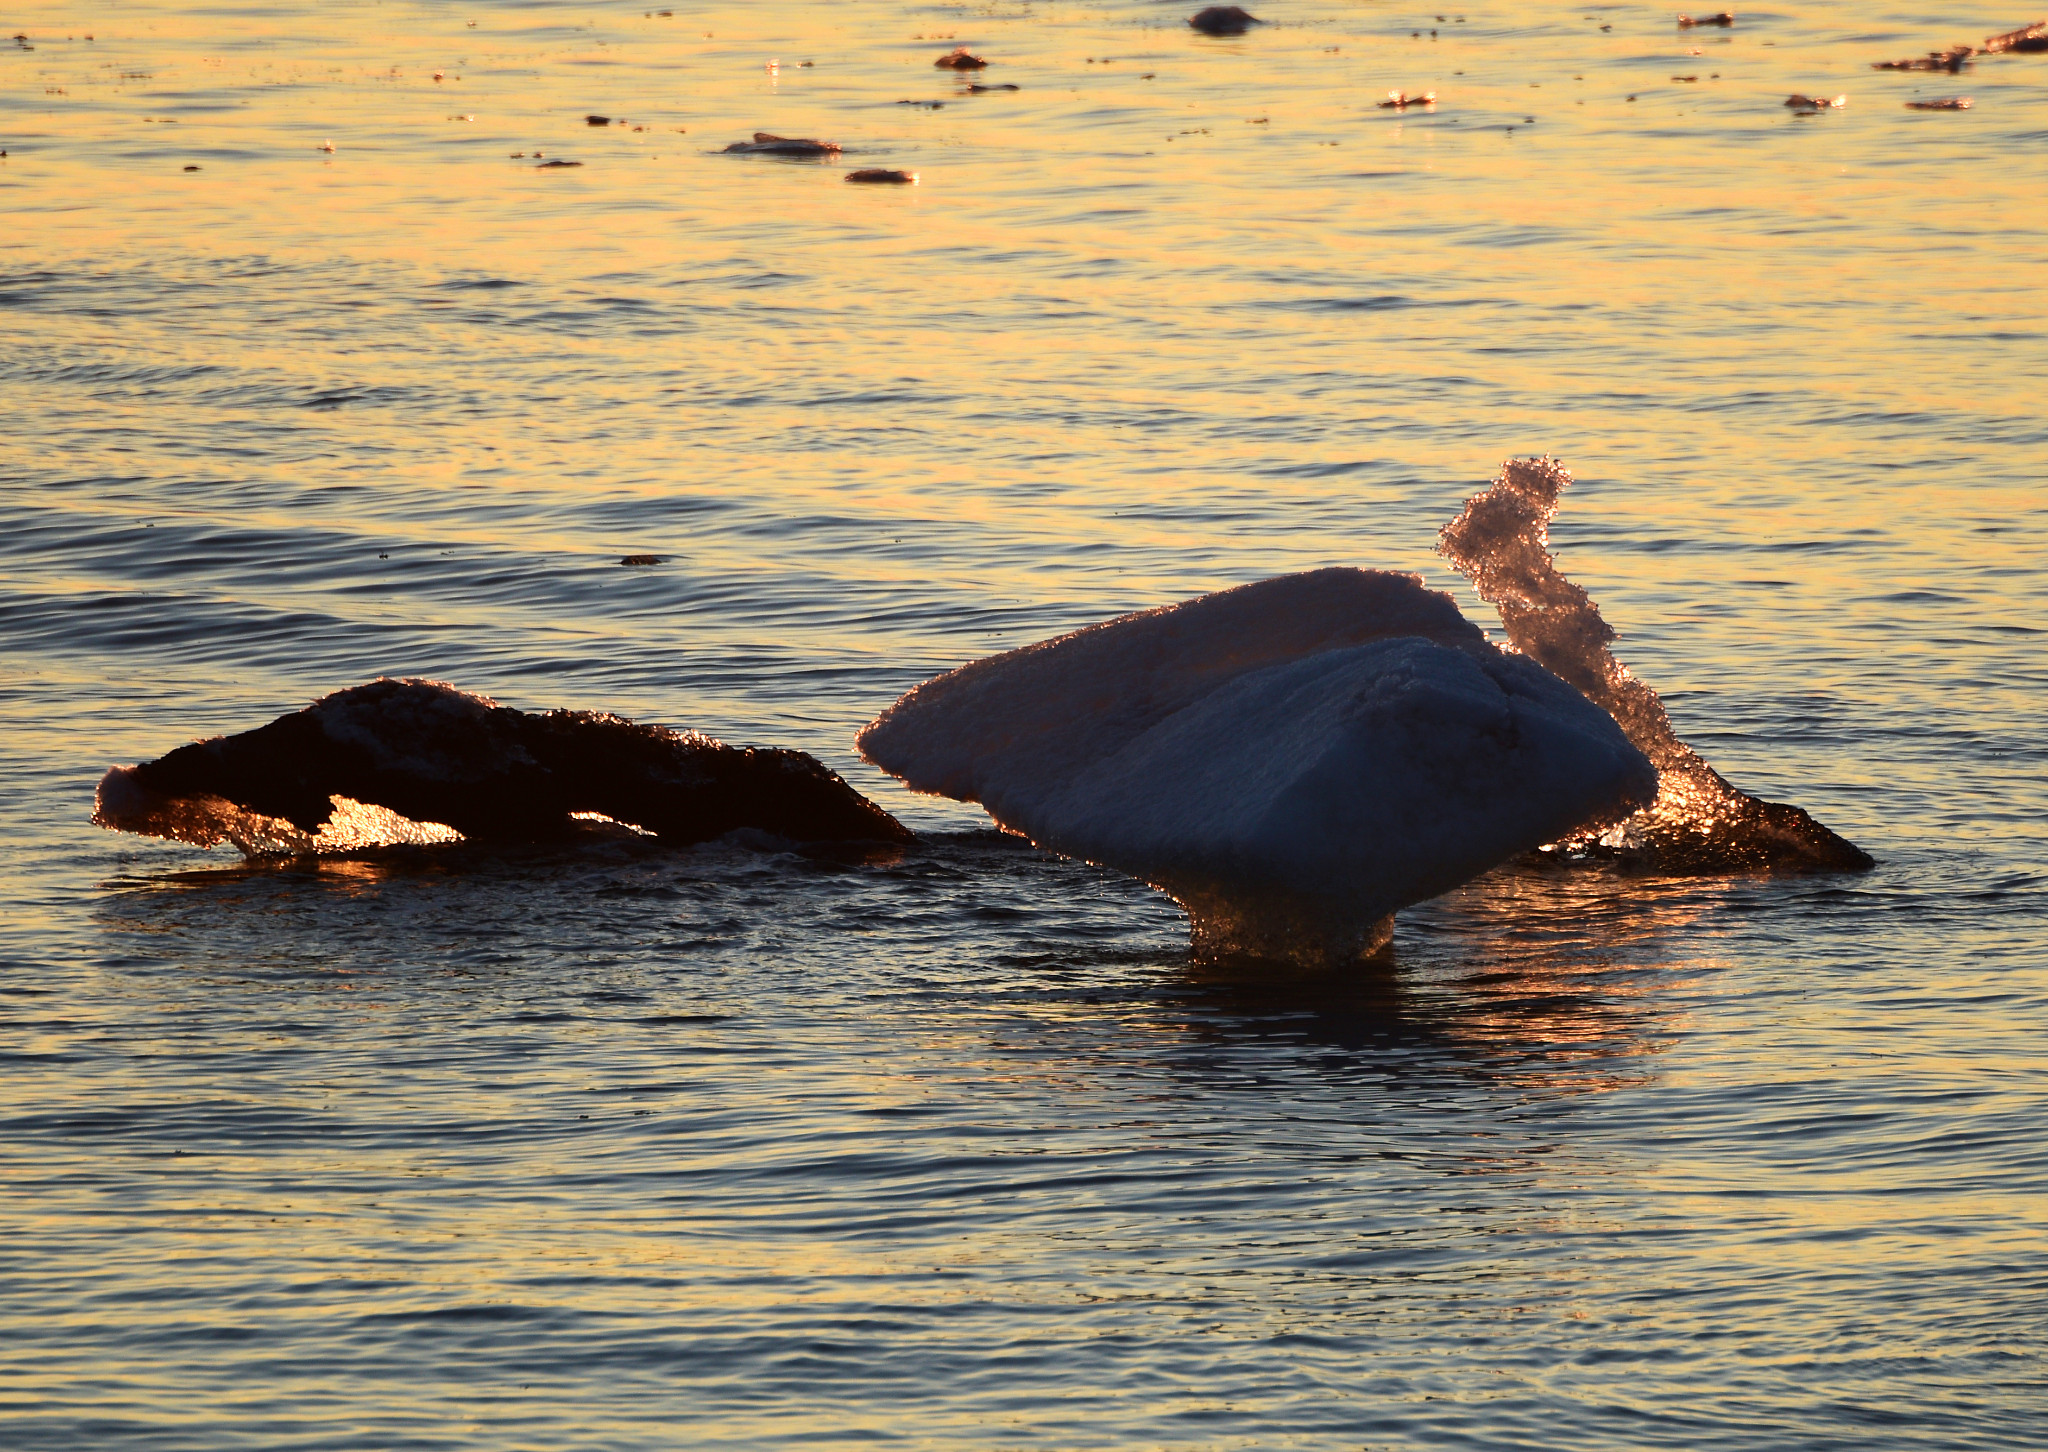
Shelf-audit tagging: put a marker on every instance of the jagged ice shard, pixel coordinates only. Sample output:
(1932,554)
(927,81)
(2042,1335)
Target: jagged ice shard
(1698,823)
(1291,760)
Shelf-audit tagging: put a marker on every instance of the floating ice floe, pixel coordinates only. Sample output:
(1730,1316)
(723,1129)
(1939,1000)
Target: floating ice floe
(1223,20)
(410,761)
(1295,760)
(1291,760)
(767,143)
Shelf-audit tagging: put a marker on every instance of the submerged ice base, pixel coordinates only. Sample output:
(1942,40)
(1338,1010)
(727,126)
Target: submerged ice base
(411,761)
(1292,760)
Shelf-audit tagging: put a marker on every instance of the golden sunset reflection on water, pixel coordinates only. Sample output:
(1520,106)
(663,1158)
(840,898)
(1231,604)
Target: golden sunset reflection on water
(618,1146)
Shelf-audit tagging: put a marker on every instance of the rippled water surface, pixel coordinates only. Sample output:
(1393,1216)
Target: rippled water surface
(633,1148)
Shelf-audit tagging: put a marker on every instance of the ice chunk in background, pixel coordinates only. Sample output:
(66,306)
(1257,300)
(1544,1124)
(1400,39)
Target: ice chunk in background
(422,762)
(1698,823)
(1292,760)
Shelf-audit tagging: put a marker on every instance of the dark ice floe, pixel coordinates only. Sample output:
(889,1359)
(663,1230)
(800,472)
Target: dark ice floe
(1292,760)
(766,143)
(1223,20)
(410,761)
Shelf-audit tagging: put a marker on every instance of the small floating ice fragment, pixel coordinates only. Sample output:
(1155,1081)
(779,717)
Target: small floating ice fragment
(766,143)
(1951,60)
(883,175)
(958,59)
(2028,38)
(1223,20)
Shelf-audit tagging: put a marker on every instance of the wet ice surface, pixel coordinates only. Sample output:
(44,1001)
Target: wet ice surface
(413,762)
(960,1148)
(1698,822)
(1291,760)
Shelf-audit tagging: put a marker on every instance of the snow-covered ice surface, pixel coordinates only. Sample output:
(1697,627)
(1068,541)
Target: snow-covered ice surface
(1291,760)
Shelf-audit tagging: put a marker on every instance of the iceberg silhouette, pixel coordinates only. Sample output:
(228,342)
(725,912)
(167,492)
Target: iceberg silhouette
(413,761)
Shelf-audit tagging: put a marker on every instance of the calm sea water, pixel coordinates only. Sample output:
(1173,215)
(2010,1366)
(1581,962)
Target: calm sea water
(632,1148)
